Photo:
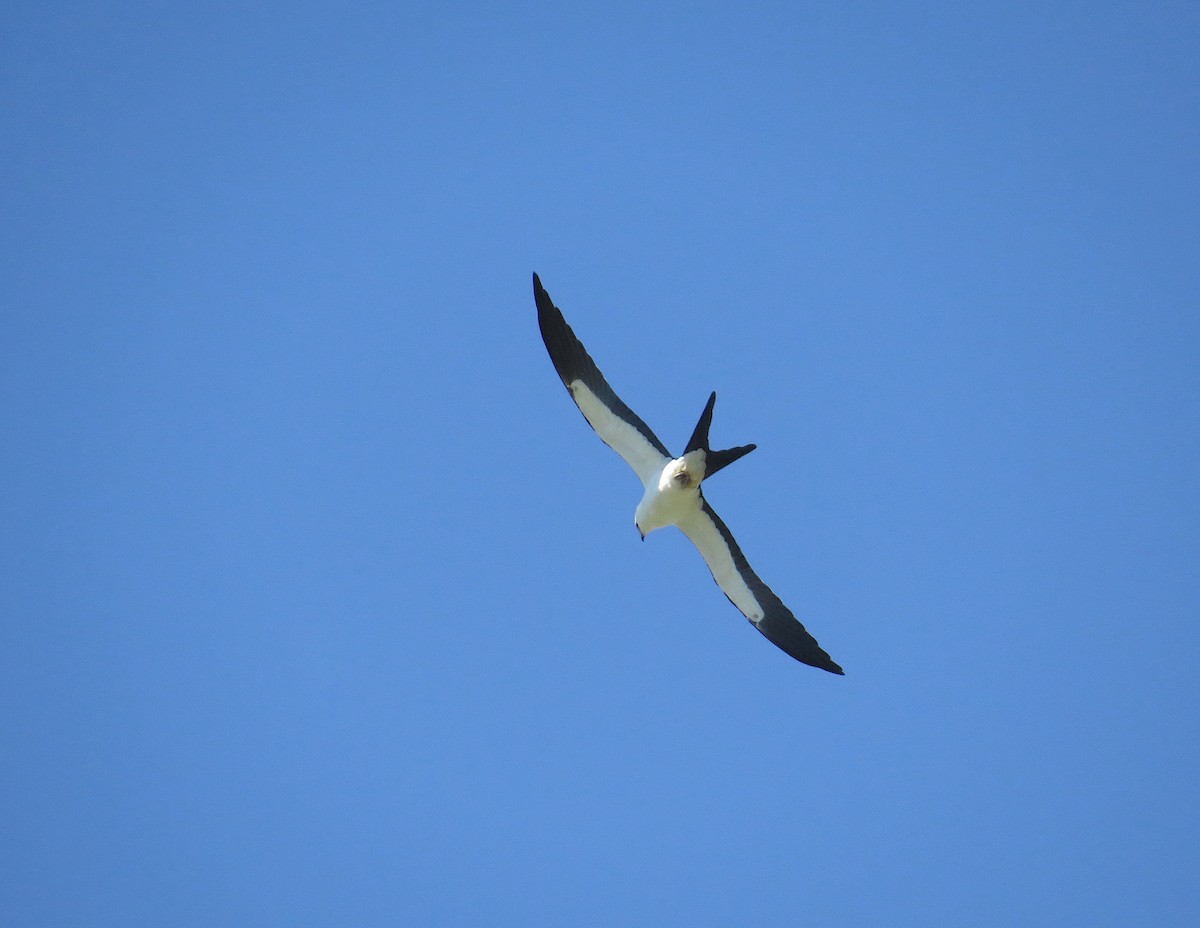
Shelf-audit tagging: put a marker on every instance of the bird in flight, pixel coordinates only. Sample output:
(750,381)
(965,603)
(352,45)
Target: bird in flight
(673,494)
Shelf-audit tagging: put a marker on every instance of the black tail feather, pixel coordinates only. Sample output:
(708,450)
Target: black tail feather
(714,460)
(699,439)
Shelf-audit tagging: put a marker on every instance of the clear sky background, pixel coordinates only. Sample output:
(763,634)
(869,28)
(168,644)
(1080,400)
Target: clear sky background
(321,605)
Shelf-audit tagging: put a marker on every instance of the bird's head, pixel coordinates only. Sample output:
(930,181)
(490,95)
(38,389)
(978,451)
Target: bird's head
(644,519)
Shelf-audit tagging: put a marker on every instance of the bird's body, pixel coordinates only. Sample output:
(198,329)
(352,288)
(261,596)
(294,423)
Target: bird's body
(672,485)
(672,495)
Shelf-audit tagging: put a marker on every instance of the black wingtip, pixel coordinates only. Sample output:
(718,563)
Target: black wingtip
(784,631)
(819,659)
(809,652)
(549,316)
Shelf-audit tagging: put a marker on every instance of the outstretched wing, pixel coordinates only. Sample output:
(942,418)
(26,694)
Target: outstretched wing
(617,424)
(746,591)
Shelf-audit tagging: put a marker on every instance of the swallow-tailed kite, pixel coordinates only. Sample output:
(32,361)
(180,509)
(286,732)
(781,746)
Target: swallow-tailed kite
(672,485)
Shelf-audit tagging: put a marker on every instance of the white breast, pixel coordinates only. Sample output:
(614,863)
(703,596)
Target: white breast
(672,497)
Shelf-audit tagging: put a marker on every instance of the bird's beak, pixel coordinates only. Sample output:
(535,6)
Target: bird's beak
(641,534)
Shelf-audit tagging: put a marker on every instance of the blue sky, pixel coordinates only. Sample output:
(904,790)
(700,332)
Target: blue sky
(320,603)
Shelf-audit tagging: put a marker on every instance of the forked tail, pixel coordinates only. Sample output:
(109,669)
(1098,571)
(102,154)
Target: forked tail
(713,460)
